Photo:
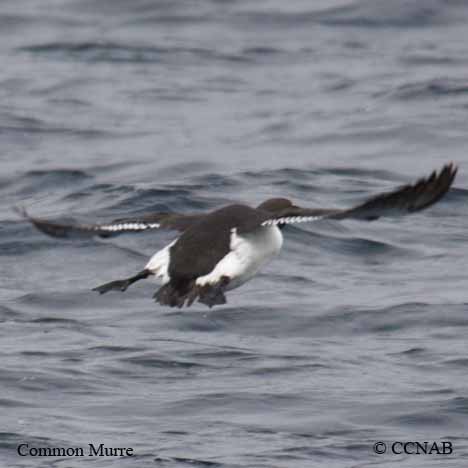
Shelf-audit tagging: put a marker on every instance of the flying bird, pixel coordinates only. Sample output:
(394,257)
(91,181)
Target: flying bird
(220,250)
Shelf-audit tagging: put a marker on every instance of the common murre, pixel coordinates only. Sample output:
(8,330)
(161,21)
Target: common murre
(222,249)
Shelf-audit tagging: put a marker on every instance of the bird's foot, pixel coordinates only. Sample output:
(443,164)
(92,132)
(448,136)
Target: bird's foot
(119,285)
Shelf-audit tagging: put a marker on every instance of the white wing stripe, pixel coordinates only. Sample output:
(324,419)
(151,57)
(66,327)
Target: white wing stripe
(126,227)
(291,220)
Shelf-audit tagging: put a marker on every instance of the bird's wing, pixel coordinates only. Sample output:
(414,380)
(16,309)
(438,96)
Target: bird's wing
(172,221)
(404,200)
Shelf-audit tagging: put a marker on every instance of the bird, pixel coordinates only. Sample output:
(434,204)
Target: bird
(220,250)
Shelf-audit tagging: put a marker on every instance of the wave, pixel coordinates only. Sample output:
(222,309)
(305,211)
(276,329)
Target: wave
(430,89)
(363,14)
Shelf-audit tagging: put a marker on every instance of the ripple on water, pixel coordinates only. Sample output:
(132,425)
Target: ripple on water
(458,405)
(155,360)
(194,462)
(360,14)
(431,89)
(112,52)
(32,182)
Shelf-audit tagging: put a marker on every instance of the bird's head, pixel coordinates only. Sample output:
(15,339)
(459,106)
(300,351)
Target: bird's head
(276,205)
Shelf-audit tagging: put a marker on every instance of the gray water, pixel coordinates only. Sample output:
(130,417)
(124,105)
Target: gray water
(356,333)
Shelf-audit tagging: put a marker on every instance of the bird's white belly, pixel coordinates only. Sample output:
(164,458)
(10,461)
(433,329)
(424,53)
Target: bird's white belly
(248,253)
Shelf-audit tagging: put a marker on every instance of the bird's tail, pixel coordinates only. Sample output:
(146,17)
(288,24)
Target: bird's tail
(184,293)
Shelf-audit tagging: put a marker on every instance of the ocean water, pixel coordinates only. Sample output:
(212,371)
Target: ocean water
(355,334)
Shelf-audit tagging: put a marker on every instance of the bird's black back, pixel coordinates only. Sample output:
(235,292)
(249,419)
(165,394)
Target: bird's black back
(203,245)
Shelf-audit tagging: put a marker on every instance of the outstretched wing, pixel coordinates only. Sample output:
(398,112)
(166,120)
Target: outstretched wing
(173,221)
(404,200)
